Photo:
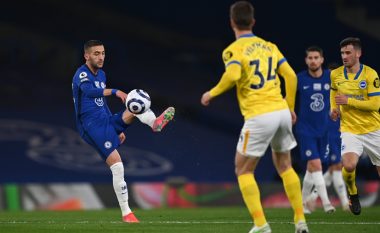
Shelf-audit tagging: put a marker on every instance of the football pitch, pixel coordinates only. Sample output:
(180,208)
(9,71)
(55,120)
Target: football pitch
(199,220)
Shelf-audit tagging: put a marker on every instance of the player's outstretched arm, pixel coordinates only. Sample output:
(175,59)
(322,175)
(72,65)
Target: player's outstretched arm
(120,94)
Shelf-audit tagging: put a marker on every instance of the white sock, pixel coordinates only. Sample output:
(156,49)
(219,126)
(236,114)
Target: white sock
(147,117)
(307,185)
(320,185)
(120,187)
(328,178)
(340,187)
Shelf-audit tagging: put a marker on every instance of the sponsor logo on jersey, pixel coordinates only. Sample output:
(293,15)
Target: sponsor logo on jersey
(318,103)
(107,144)
(84,80)
(317,86)
(376,82)
(306,87)
(82,75)
(227,55)
(362,84)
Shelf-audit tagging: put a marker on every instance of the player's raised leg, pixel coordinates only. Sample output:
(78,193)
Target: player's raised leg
(120,186)
(156,123)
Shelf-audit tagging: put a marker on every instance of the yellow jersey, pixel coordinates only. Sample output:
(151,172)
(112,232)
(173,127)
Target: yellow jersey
(253,64)
(360,86)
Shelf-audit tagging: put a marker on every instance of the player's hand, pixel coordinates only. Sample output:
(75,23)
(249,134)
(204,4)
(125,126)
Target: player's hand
(206,98)
(294,117)
(341,99)
(122,138)
(122,95)
(334,114)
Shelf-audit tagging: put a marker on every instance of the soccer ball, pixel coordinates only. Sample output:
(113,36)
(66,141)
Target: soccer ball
(138,101)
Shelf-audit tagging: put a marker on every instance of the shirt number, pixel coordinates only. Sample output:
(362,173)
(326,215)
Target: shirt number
(256,64)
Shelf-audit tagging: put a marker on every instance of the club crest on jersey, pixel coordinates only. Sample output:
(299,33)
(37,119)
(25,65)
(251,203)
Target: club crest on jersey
(107,144)
(326,86)
(362,84)
(376,82)
(99,101)
(227,55)
(97,84)
(82,75)
(103,85)
(308,153)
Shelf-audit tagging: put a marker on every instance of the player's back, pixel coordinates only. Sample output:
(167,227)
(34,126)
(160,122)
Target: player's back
(258,89)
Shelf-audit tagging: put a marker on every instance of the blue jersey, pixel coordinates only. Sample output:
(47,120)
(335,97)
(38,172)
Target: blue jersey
(313,99)
(90,104)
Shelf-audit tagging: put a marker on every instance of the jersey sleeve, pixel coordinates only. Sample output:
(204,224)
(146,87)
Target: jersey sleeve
(232,55)
(232,59)
(80,78)
(373,84)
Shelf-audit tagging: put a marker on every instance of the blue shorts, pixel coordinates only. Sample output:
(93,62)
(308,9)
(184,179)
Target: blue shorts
(313,147)
(103,134)
(335,150)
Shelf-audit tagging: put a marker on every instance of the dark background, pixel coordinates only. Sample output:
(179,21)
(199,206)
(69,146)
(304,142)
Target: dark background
(171,49)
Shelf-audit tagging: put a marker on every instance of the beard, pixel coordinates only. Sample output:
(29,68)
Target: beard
(314,68)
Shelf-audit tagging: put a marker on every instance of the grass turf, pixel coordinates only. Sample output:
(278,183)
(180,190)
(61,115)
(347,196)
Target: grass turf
(200,220)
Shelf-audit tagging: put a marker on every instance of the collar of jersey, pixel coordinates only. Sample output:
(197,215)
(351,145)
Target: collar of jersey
(247,35)
(85,65)
(357,74)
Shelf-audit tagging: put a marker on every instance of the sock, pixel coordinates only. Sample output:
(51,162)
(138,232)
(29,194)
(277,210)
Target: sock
(147,117)
(307,185)
(251,195)
(320,186)
(349,179)
(328,179)
(292,188)
(120,187)
(339,187)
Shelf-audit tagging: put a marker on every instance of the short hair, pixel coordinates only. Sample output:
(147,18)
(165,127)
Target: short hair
(242,13)
(91,43)
(354,41)
(314,49)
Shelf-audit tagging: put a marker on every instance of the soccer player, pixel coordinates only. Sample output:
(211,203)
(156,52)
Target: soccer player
(100,128)
(355,98)
(313,91)
(253,65)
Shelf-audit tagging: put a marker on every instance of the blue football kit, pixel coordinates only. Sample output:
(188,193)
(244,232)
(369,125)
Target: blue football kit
(313,104)
(335,142)
(95,122)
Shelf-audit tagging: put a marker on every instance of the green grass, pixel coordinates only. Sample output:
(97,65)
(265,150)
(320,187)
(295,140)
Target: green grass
(201,220)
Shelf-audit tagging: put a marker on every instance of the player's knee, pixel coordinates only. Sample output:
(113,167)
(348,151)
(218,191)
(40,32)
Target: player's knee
(117,169)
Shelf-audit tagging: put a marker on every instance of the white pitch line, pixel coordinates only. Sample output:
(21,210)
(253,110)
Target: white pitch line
(188,222)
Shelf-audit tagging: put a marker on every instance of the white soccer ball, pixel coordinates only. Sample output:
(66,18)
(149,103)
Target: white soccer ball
(138,101)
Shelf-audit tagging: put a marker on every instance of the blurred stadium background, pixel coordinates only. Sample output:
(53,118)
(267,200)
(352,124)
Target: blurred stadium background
(172,50)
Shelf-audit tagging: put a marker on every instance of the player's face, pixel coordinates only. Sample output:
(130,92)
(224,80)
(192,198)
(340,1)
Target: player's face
(95,56)
(314,60)
(350,55)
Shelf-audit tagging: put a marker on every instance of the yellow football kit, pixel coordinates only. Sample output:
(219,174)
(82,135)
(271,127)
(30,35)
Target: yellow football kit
(361,114)
(253,65)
